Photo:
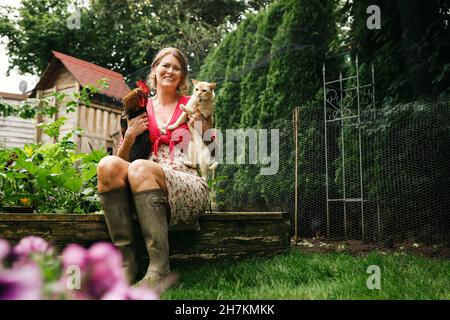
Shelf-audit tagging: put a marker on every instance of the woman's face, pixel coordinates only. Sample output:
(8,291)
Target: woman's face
(168,72)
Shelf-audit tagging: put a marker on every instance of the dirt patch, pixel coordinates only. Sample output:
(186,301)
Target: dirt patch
(357,247)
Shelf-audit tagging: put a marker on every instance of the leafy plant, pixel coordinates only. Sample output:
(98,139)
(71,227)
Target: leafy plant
(214,187)
(51,177)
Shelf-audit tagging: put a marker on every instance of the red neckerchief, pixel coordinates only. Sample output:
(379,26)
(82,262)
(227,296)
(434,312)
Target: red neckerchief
(155,135)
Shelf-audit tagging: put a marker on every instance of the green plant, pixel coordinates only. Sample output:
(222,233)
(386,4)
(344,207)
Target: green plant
(215,189)
(51,177)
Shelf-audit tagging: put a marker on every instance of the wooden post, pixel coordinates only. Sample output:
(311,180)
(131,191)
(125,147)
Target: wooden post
(295,123)
(78,138)
(38,119)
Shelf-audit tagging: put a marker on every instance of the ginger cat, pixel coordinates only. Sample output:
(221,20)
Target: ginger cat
(202,100)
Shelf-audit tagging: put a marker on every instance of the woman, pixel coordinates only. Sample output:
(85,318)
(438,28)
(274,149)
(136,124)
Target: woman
(165,192)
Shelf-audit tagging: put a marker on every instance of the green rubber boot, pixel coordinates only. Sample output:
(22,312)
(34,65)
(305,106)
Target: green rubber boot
(154,215)
(118,214)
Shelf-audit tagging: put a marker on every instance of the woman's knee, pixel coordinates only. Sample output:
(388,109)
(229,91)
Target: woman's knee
(111,167)
(144,170)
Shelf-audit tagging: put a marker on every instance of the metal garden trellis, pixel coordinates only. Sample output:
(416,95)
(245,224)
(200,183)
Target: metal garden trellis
(339,107)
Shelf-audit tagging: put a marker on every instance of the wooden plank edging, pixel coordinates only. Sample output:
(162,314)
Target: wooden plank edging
(100,217)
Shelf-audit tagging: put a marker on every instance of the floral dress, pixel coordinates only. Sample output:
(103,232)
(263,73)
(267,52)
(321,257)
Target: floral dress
(188,193)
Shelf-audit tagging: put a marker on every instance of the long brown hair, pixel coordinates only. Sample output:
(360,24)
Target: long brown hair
(183,87)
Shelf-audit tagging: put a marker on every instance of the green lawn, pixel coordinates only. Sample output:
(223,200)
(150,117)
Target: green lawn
(314,276)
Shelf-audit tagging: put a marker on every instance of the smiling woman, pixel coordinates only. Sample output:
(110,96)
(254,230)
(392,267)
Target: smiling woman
(164,190)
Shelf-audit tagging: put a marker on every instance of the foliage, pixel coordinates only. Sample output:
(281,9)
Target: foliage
(214,189)
(51,177)
(47,106)
(122,35)
(405,162)
(271,64)
(410,52)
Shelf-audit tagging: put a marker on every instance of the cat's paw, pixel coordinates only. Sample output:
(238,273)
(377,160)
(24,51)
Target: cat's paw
(171,127)
(213,166)
(182,107)
(189,163)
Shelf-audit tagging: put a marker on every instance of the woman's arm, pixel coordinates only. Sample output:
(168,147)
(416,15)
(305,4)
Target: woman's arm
(124,149)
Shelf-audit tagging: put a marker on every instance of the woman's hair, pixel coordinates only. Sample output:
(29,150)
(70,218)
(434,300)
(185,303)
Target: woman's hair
(183,87)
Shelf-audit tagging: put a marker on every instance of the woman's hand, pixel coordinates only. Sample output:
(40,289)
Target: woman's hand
(136,126)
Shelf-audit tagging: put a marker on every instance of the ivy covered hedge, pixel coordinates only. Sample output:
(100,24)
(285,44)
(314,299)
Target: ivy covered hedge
(269,65)
(273,63)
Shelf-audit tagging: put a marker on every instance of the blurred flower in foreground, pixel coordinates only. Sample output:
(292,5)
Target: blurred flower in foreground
(100,268)
(79,273)
(31,245)
(21,283)
(101,272)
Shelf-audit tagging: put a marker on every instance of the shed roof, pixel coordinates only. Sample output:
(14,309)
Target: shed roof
(85,73)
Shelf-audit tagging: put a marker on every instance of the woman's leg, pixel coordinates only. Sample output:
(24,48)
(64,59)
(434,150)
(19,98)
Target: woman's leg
(115,196)
(146,175)
(147,182)
(112,173)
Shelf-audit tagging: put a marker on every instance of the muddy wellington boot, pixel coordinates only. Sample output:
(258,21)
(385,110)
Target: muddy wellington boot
(154,214)
(118,214)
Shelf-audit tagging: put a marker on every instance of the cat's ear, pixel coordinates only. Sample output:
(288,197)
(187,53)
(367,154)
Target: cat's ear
(212,86)
(194,81)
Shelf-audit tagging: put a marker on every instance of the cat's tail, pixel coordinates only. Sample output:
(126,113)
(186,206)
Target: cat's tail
(214,165)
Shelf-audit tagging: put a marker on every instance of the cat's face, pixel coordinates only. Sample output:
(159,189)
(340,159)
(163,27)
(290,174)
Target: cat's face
(204,90)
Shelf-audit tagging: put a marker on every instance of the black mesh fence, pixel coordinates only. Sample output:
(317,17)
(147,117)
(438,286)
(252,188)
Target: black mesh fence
(262,177)
(388,174)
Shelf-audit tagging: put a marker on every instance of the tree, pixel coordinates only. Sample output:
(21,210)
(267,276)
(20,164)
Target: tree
(268,66)
(123,35)
(410,52)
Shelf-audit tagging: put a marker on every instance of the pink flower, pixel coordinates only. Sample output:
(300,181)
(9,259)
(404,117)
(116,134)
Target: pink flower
(100,267)
(5,250)
(21,283)
(105,268)
(75,255)
(30,245)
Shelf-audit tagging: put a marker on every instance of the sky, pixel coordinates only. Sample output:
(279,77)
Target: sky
(11,84)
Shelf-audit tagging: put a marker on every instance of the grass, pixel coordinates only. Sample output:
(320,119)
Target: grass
(296,275)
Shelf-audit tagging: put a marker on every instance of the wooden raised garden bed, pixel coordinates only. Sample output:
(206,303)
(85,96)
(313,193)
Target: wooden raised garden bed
(228,234)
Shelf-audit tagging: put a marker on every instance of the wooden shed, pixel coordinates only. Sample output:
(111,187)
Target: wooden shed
(101,121)
(15,131)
